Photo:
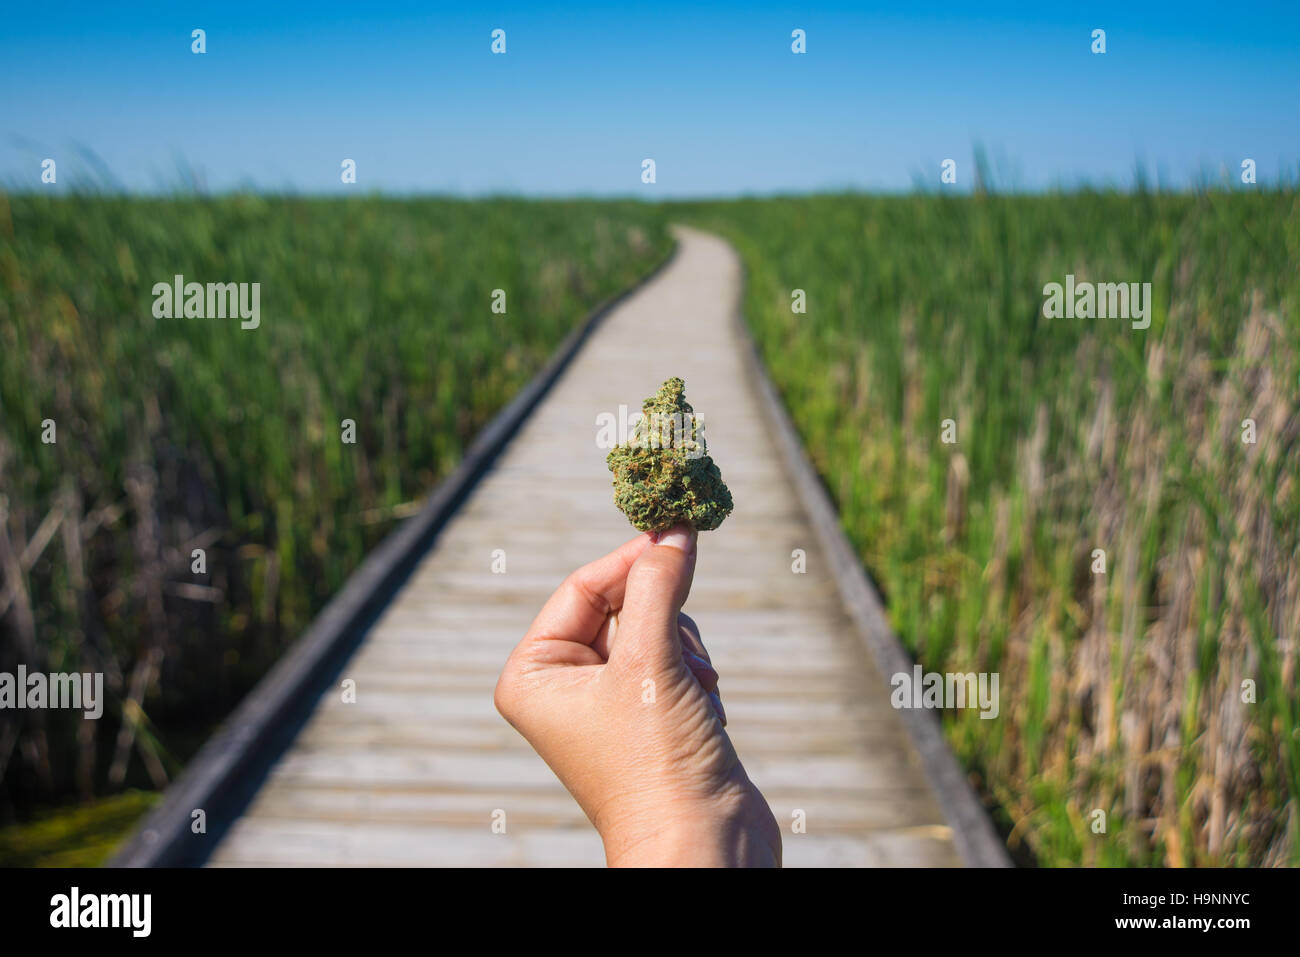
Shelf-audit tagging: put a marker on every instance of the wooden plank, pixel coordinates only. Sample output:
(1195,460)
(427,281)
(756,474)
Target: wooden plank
(823,814)
(315,843)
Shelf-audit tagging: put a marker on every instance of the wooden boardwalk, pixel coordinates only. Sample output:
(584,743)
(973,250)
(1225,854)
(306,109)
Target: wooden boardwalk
(413,771)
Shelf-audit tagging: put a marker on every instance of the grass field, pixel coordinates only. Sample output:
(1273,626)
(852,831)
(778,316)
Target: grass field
(79,835)
(176,434)
(1121,692)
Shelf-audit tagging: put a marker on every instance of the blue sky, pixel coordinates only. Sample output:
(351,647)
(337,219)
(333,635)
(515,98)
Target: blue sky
(712,92)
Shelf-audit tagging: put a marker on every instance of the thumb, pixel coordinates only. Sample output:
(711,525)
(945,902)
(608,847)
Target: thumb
(657,586)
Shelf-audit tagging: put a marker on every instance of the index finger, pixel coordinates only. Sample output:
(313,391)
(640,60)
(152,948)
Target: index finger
(584,600)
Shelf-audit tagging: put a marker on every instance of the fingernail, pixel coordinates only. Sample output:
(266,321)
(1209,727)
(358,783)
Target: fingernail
(696,663)
(717,706)
(680,537)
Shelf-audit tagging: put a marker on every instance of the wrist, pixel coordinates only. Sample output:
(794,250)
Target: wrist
(735,829)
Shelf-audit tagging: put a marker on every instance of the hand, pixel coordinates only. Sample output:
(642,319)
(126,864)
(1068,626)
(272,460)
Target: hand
(613,687)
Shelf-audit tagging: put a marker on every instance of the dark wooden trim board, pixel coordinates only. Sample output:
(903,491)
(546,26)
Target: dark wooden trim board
(230,768)
(976,839)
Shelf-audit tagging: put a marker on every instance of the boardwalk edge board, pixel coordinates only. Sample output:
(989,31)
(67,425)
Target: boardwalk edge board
(228,770)
(976,839)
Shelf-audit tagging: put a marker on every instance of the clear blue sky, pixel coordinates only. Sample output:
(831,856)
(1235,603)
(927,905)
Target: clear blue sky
(712,92)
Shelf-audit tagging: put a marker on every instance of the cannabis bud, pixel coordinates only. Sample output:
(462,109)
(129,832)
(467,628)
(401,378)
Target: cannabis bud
(664,475)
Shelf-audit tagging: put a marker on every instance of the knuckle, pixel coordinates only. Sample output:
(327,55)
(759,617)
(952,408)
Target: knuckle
(506,696)
(576,584)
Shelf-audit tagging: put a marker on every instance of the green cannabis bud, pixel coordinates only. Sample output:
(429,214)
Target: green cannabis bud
(663,475)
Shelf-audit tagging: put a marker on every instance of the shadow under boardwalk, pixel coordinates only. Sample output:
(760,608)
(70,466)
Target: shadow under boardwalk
(413,771)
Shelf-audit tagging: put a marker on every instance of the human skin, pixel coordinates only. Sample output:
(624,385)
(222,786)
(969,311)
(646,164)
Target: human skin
(614,689)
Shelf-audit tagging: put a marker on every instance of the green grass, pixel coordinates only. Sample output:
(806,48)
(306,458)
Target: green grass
(1119,692)
(181,433)
(77,836)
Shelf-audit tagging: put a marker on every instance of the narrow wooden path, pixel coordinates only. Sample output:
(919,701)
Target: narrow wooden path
(413,771)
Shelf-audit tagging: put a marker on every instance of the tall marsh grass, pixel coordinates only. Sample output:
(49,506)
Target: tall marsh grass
(1126,692)
(177,434)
